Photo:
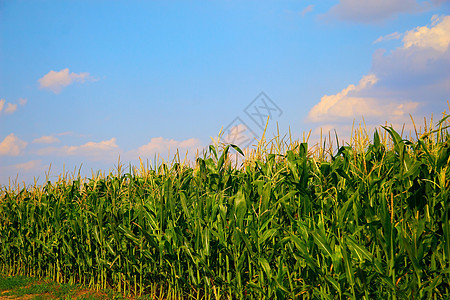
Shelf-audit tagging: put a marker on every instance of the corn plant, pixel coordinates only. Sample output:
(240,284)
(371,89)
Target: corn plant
(369,220)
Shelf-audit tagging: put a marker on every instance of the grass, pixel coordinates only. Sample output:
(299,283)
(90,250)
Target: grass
(368,220)
(22,287)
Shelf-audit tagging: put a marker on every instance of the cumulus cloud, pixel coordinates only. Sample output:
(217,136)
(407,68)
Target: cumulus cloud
(104,150)
(345,103)
(46,139)
(375,11)
(436,37)
(160,145)
(2,104)
(12,145)
(413,78)
(351,103)
(391,36)
(56,81)
(419,68)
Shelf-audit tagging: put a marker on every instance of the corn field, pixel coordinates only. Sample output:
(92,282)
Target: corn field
(369,220)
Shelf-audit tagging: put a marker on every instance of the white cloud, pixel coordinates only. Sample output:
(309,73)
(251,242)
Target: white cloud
(46,139)
(66,133)
(109,151)
(166,146)
(29,166)
(71,133)
(104,150)
(239,135)
(22,172)
(22,101)
(56,81)
(12,145)
(413,78)
(10,108)
(307,9)
(345,103)
(351,103)
(373,11)
(93,147)
(391,36)
(437,37)
(422,62)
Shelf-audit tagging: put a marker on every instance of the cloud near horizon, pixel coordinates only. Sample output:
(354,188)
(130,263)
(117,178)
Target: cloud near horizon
(358,11)
(57,81)
(413,78)
(103,150)
(106,151)
(163,146)
(12,145)
(109,151)
(29,165)
(28,170)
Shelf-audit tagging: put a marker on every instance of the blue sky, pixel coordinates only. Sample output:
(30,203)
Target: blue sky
(84,81)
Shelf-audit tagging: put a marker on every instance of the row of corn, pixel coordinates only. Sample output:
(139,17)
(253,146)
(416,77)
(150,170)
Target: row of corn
(366,222)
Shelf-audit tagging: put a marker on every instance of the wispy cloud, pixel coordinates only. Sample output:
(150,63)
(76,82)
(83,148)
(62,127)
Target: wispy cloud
(391,36)
(29,166)
(22,101)
(375,11)
(47,139)
(307,9)
(8,107)
(12,145)
(302,13)
(163,146)
(56,81)
(25,171)
(109,151)
(103,150)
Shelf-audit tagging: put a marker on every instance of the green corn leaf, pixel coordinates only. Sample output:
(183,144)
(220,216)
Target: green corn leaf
(321,243)
(237,149)
(334,283)
(265,266)
(360,251)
